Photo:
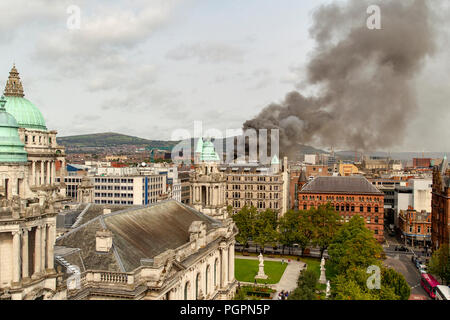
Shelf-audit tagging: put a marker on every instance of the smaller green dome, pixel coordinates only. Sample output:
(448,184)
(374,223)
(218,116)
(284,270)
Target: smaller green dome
(275,160)
(11,147)
(209,153)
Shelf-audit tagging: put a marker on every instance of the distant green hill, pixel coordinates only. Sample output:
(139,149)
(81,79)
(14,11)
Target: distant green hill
(111,139)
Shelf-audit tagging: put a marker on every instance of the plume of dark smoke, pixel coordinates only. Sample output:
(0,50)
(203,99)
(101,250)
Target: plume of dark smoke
(365,95)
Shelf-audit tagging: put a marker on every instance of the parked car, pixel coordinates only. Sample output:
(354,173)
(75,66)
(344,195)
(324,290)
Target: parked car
(422,268)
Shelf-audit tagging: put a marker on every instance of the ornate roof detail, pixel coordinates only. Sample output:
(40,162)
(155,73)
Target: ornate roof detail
(26,113)
(14,86)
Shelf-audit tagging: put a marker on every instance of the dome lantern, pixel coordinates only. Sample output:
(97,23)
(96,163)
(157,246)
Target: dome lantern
(26,113)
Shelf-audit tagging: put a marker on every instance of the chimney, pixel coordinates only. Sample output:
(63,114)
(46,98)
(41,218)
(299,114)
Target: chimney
(103,240)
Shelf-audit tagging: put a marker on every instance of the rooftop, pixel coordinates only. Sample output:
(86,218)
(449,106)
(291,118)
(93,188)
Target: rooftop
(344,185)
(137,233)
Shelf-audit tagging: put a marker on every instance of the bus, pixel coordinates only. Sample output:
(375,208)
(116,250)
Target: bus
(429,283)
(442,293)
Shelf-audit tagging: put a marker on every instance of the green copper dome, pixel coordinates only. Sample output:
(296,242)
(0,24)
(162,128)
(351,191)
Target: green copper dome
(209,153)
(275,160)
(27,114)
(11,148)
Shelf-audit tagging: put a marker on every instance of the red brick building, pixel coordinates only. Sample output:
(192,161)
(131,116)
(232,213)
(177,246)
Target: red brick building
(440,205)
(350,196)
(296,182)
(422,162)
(315,170)
(415,226)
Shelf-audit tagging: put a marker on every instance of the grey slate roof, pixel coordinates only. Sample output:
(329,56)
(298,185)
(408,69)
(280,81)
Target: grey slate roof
(138,233)
(345,185)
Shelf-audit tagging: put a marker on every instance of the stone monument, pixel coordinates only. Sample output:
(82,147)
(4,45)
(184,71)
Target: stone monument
(328,289)
(323,277)
(261,274)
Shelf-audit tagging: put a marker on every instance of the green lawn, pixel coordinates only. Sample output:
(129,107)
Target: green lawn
(246,270)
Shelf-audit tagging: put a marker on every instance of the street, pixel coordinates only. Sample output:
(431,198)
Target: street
(401,262)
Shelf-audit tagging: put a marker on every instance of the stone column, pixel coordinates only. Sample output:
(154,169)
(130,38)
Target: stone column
(224,266)
(48,172)
(33,173)
(41,182)
(37,251)
(231,263)
(53,172)
(43,246)
(25,267)
(50,246)
(16,257)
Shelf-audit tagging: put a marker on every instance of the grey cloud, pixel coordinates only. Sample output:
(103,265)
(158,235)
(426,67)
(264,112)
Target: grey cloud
(207,53)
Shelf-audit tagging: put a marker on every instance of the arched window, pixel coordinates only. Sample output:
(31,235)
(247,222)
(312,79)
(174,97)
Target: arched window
(197,286)
(206,279)
(186,291)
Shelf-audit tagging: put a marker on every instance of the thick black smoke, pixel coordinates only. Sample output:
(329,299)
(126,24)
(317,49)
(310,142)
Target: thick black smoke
(363,78)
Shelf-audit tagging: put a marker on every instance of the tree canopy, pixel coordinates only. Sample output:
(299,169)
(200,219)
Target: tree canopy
(354,246)
(440,263)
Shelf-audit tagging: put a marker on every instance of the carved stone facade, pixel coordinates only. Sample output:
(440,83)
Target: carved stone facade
(158,263)
(216,186)
(208,187)
(208,183)
(29,197)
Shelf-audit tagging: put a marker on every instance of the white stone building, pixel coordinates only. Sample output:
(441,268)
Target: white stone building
(30,161)
(166,251)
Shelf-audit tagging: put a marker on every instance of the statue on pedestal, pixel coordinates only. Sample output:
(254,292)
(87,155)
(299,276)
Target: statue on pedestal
(261,274)
(323,277)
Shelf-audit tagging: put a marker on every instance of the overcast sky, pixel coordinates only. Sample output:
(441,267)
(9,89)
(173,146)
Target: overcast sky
(149,67)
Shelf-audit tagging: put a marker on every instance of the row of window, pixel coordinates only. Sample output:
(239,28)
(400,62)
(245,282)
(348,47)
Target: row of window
(115,195)
(110,180)
(347,207)
(340,198)
(250,195)
(255,179)
(253,187)
(113,187)
(258,204)
(112,202)
(41,139)
(418,229)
